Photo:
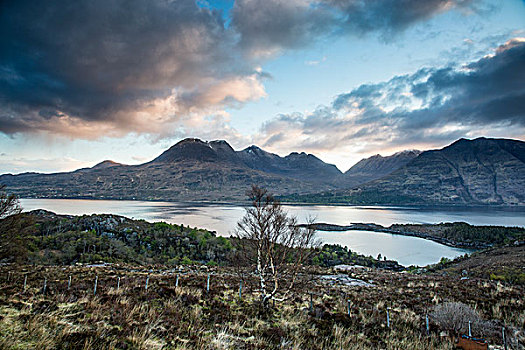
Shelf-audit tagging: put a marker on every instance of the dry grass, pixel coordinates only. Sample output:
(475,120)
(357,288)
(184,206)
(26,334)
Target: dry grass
(187,317)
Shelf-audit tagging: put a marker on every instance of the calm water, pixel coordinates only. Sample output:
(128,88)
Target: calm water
(223,218)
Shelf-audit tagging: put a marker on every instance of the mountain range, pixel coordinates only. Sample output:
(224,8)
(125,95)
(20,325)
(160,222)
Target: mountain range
(467,172)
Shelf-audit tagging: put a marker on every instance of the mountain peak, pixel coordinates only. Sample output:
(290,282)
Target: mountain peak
(407,152)
(105,164)
(198,150)
(190,140)
(377,166)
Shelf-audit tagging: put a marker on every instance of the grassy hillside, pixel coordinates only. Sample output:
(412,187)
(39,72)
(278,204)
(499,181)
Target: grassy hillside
(187,317)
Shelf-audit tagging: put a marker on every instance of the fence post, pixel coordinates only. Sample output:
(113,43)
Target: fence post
(147,282)
(25,283)
(208,284)
(348,306)
(45,286)
(118,283)
(177,281)
(504,338)
(428,328)
(95,287)
(388,317)
(469,330)
(69,283)
(240,290)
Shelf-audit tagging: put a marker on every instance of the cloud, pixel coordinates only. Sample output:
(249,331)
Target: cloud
(89,69)
(268,27)
(315,62)
(110,67)
(431,106)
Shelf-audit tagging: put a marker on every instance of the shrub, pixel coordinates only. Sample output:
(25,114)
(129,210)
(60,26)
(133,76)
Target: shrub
(455,317)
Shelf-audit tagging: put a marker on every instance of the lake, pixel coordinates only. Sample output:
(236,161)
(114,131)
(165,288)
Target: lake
(222,218)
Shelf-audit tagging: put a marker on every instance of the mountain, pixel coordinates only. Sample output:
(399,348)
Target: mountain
(106,164)
(376,167)
(192,169)
(301,166)
(468,172)
(192,149)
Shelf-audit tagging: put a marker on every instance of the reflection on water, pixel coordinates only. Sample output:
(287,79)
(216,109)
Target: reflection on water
(223,218)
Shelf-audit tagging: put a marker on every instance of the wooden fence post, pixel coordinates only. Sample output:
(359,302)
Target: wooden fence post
(427,324)
(469,330)
(25,282)
(388,317)
(348,306)
(240,290)
(118,283)
(177,281)
(95,287)
(147,282)
(69,283)
(504,338)
(208,284)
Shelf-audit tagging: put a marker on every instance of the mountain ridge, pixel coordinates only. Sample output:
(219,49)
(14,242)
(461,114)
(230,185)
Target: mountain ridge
(482,171)
(191,169)
(377,166)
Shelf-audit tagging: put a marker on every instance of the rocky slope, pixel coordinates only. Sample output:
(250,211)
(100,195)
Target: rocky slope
(190,170)
(468,172)
(376,167)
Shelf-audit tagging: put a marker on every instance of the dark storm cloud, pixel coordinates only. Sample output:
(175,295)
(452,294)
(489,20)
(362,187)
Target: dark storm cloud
(92,59)
(272,25)
(429,105)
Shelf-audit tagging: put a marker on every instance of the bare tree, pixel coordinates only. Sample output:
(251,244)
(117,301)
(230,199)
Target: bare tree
(9,204)
(269,240)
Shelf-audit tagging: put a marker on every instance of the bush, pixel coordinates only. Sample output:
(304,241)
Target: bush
(455,317)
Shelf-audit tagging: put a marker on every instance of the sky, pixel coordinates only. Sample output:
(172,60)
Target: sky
(85,81)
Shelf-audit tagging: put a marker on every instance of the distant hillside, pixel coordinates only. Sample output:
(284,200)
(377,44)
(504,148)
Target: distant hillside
(376,167)
(192,169)
(468,172)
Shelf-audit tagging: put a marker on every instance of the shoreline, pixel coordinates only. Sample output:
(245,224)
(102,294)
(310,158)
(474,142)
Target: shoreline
(380,228)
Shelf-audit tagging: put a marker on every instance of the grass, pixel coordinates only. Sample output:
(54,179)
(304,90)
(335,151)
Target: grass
(187,317)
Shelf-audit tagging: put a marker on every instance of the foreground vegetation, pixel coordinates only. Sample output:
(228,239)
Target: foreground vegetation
(166,316)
